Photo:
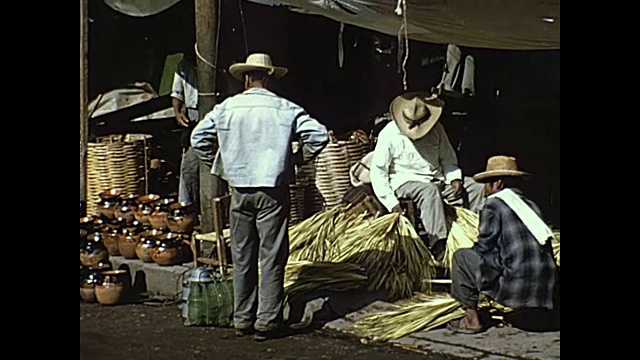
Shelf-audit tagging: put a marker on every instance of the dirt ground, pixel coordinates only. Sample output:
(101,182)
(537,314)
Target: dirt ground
(157,332)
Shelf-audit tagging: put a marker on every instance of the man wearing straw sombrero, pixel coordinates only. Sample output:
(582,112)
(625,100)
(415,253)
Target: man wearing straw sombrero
(512,261)
(414,159)
(254,130)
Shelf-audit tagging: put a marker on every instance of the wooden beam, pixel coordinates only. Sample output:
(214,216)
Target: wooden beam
(206,20)
(84,74)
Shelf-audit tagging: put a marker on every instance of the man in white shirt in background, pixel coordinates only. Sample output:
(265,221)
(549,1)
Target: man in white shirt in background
(414,159)
(184,99)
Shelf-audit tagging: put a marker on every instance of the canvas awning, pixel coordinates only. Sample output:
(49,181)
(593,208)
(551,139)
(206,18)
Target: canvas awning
(494,24)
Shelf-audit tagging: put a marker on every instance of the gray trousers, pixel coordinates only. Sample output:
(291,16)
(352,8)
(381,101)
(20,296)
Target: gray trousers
(189,186)
(259,230)
(464,285)
(430,197)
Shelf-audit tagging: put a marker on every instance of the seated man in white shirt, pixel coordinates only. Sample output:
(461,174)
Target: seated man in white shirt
(414,159)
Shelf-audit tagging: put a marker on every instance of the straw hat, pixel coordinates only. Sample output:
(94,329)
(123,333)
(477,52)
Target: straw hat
(257,62)
(500,166)
(416,113)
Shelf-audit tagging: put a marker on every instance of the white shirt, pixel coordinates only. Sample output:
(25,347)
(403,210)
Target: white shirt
(184,86)
(398,159)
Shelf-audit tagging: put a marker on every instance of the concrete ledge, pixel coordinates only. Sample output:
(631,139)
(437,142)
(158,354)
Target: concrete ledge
(152,278)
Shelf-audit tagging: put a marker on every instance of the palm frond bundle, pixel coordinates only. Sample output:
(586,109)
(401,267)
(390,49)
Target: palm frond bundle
(555,244)
(392,253)
(307,276)
(423,313)
(463,233)
(311,239)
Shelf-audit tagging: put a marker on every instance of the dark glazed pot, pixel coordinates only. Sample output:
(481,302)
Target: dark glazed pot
(144,208)
(126,208)
(168,250)
(127,245)
(158,218)
(93,251)
(182,217)
(146,243)
(111,290)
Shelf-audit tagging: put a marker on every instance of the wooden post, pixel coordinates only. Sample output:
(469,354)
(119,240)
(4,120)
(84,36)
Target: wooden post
(206,20)
(84,30)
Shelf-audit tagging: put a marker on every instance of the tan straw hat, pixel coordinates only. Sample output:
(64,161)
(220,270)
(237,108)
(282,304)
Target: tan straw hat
(500,166)
(260,62)
(416,113)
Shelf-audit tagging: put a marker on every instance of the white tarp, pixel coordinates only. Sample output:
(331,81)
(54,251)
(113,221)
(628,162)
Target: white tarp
(125,97)
(495,24)
(140,8)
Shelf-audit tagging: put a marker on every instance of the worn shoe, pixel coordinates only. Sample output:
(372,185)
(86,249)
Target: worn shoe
(438,250)
(269,334)
(244,332)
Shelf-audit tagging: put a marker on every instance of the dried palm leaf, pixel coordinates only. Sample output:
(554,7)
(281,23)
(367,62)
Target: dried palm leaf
(393,255)
(313,239)
(306,276)
(463,233)
(555,244)
(429,313)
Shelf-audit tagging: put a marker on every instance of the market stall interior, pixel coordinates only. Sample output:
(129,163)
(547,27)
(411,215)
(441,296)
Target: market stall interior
(337,244)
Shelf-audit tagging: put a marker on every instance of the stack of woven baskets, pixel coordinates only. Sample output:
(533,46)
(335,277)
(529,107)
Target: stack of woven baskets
(116,162)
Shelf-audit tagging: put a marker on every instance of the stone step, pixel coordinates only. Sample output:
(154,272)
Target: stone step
(152,278)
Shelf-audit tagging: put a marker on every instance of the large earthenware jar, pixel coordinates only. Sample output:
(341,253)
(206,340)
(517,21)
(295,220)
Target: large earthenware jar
(112,288)
(158,217)
(168,250)
(181,217)
(126,208)
(93,251)
(147,241)
(144,208)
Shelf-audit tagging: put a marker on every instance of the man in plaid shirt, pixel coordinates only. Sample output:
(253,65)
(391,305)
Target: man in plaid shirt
(512,261)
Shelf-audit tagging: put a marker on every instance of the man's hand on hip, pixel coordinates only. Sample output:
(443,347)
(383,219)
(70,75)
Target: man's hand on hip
(458,189)
(397,209)
(182,120)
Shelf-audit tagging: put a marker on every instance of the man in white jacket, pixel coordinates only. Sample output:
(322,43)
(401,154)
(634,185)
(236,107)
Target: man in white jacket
(414,159)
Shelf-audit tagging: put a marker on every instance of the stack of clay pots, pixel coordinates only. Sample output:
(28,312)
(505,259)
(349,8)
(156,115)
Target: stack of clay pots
(99,282)
(135,226)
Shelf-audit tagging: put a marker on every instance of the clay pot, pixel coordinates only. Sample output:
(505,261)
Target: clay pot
(107,209)
(158,217)
(168,250)
(182,217)
(145,205)
(111,195)
(146,243)
(110,239)
(89,277)
(93,251)
(127,245)
(86,223)
(134,227)
(111,290)
(99,224)
(126,208)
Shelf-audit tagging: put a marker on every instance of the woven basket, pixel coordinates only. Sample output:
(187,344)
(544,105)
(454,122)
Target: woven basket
(296,210)
(332,169)
(117,162)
